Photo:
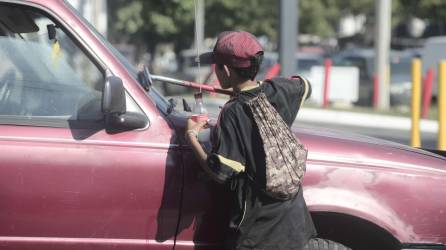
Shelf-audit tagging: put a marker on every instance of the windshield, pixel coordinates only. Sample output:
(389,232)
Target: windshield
(401,66)
(159,99)
(305,64)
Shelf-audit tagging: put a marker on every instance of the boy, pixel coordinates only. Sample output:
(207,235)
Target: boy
(238,159)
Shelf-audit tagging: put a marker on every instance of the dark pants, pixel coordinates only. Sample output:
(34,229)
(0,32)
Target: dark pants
(313,244)
(323,244)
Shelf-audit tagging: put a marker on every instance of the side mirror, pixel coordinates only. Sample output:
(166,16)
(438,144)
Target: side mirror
(113,99)
(128,121)
(114,108)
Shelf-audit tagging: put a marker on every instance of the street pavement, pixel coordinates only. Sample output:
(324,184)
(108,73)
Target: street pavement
(392,128)
(429,140)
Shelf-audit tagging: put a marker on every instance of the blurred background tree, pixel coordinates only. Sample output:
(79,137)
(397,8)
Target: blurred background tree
(256,16)
(433,11)
(147,24)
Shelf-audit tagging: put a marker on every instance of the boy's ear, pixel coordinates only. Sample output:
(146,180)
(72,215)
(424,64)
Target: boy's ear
(227,70)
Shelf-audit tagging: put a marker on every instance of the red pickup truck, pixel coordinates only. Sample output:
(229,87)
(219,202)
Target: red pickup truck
(90,159)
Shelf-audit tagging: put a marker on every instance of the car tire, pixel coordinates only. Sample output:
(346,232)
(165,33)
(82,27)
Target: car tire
(323,244)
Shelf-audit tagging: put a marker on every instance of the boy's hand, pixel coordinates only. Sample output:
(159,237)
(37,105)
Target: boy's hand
(192,128)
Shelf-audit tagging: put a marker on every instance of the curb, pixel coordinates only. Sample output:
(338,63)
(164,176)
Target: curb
(366,120)
(363,120)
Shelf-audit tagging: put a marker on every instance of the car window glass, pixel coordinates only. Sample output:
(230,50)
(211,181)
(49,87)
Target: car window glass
(156,96)
(359,62)
(131,105)
(305,64)
(43,73)
(401,67)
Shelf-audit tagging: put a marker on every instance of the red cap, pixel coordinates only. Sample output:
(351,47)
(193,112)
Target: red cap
(233,48)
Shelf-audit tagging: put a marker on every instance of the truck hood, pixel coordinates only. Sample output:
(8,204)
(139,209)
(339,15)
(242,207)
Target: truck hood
(330,146)
(349,148)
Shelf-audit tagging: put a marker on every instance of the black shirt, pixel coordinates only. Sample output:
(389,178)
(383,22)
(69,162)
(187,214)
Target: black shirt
(258,221)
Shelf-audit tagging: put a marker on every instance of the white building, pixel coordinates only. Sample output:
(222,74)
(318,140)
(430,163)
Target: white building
(95,11)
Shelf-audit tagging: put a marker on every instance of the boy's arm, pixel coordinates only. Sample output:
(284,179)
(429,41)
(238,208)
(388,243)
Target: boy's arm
(191,137)
(226,160)
(287,95)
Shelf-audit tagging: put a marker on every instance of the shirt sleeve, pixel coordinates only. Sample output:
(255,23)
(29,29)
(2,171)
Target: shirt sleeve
(287,95)
(307,90)
(227,157)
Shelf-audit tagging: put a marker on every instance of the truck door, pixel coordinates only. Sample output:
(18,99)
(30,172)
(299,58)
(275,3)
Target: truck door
(205,208)
(65,183)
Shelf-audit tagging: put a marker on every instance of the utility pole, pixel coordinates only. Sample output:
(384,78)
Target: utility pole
(200,24)
(383,11)
(288,36)
(199,33)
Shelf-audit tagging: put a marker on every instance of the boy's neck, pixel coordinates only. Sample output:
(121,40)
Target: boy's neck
(245,84)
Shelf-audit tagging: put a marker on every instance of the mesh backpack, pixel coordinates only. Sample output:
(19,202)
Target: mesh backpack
(285,156)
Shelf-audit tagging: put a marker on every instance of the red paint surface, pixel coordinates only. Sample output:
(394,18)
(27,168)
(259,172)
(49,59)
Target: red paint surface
(427,92)
(375,91)
(388,184)
(63,188)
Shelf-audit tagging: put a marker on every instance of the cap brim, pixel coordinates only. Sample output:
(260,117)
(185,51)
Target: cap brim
(207,58)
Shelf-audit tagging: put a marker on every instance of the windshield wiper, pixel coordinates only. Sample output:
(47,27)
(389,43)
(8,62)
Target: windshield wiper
(144,78)
(172,105)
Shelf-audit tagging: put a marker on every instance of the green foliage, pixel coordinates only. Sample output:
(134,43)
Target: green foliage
(318,17)
(129,18)
(427,9)
(150,22)
(256,16)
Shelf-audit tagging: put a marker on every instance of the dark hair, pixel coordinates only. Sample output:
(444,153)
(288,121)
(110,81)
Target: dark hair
(251,72)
